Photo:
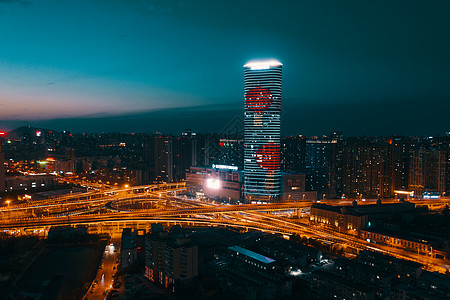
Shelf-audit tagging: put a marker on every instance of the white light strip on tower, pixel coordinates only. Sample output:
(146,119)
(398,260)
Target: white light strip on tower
(262,64)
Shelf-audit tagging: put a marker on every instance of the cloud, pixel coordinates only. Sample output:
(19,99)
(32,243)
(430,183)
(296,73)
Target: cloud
(381,118)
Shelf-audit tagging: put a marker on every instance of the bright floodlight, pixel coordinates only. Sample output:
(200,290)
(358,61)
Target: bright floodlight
(213,183)
(262,64)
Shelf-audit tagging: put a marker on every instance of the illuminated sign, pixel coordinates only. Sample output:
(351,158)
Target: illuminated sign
(411,193)
(225,167)
(268,156)
(430,195)
(2,133)
(258,99)
(38,133)
(213,183)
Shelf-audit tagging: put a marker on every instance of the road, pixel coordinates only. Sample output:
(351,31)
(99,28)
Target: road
(67,205)
(120,207)
(103,282)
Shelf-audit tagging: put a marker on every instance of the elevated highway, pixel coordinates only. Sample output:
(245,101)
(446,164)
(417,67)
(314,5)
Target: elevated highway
(86,200)
(114,209)
(252,220)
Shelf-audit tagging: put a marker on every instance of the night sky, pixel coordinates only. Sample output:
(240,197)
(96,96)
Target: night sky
(364,67)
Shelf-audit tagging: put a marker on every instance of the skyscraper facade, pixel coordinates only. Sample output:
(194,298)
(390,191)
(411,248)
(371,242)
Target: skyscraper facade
(262,174)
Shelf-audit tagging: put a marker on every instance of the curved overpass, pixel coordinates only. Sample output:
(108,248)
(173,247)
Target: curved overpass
(97,196)
(254,220)
(146,214)
(218,209)
(257,221)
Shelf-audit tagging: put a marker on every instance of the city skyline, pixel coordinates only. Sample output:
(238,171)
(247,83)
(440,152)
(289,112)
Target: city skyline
(132,75)
(172,149)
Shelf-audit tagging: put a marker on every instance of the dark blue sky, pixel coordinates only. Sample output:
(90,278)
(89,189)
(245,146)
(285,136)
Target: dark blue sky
(364,67)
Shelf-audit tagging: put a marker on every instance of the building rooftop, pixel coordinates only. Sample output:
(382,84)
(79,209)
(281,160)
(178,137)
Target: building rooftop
(254,255)
(262,64)
(331,277)
(128,242)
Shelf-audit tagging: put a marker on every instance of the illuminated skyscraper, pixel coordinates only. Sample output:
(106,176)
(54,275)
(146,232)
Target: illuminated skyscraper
(262,175)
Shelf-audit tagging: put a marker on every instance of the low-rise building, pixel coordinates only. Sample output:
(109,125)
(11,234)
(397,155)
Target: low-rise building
(353,219)
(405,270)
(293,187)
(219,181)
(262,276)
(226,182)
(402,241)
(30,182)
(413,292)
(329,286)
(374,276)
(338,217)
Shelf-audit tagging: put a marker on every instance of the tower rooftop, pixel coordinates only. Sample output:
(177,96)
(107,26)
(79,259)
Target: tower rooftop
(262,64)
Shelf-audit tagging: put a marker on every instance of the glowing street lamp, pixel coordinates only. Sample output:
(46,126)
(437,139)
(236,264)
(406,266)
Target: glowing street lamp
(8,202)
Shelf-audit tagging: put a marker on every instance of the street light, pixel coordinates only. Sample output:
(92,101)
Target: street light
(7,202)
(323,197)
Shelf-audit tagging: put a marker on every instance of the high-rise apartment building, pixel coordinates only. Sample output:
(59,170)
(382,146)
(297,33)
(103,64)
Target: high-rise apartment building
(184,154)
(163,158)
(2,171)
(262,174)
(367,168)
(293,152)
(168,158)
(171,260)
(427,171)
(320,161)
